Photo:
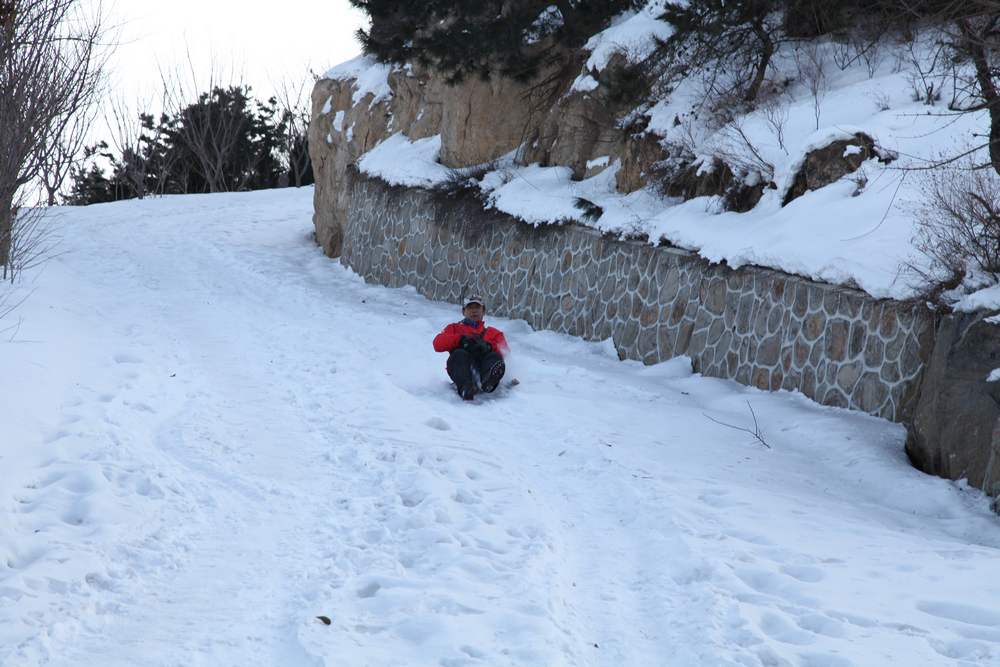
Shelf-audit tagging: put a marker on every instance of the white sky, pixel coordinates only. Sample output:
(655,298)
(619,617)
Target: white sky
(266,41)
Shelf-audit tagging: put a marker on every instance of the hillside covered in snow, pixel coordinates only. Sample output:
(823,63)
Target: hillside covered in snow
(683,164)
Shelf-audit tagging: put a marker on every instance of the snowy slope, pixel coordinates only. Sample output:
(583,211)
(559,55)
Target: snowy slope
(211,434)
(858,231)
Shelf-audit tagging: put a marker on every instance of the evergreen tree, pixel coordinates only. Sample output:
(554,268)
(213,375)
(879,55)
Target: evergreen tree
(513,38)
(224,141)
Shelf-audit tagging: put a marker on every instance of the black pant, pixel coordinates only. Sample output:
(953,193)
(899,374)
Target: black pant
(466,369)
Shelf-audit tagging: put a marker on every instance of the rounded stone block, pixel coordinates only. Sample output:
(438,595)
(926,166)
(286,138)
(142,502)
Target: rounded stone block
(836,340)
(814,325)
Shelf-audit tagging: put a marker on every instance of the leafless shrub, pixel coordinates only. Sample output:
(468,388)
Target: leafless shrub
(862,43)
(125,125)
(860,180)
(882,101)
(294,100)
(742,154)
(958,228)
(33,239)
(811,68)
(868,44)
(56,166)
(843,55)
(52,54)
(926,58)
(775,112)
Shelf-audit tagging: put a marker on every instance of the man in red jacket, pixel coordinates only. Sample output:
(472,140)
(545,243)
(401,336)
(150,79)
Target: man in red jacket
(476,351)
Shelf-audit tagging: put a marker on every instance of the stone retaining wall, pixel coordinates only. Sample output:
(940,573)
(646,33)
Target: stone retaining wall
(757,326)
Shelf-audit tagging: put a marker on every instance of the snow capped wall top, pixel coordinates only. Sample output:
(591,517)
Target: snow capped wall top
(399,161)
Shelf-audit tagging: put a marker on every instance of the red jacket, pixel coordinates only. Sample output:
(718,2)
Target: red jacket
(448,340)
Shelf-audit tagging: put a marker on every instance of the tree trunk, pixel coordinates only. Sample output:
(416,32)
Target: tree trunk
(766,51)
(975,47)
(6,234)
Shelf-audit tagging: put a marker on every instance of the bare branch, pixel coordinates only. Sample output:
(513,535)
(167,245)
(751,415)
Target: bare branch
(755,432)
(52,58)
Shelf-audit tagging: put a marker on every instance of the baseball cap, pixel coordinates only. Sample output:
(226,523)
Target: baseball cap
(474,298)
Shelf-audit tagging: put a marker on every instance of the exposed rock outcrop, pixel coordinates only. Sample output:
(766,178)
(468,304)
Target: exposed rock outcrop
(956,429)
(340,132)
(715,178)
(827,164)
(478,121)
(579,126)
(641,152)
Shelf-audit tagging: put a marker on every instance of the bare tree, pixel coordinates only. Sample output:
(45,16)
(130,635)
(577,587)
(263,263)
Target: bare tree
(52,55)
(126,125)
(979,38)
(65,154)
(294,101)
(206,127)
(970,35)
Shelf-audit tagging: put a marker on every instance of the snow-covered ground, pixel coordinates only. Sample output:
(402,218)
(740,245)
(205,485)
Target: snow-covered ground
(211,434)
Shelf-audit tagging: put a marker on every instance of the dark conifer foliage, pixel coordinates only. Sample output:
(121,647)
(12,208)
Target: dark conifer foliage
(226,141)
(740,35)
(464,38)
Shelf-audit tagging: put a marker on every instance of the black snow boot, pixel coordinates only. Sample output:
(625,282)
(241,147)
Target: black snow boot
(492,372)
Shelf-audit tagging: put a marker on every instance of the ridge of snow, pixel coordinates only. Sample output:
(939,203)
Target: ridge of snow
(987,298)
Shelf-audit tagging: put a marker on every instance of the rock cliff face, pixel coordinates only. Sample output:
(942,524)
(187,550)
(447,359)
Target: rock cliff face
(479,121)
(956,432)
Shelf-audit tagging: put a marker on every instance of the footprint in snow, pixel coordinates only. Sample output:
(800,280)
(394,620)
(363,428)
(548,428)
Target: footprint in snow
(438,424)
(124,358)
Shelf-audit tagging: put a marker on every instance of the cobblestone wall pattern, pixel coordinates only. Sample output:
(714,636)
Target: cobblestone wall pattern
(759,327)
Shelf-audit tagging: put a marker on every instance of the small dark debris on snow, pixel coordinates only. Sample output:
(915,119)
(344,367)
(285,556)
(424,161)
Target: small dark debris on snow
(325,620)
(561,453)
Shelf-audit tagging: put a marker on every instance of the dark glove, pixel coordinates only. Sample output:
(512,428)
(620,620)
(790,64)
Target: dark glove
(475,345)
